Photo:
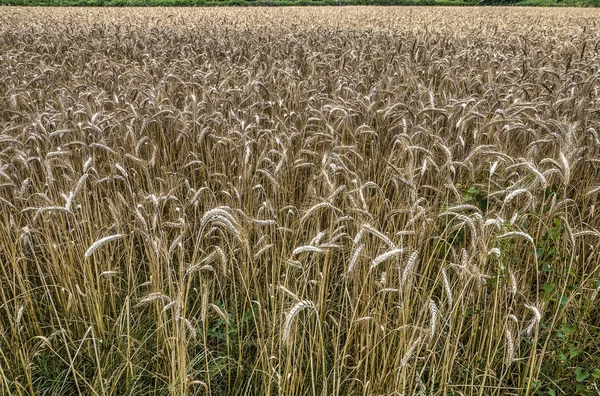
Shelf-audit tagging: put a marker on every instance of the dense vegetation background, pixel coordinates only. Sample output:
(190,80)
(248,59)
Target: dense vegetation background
(545,3)
(299,201)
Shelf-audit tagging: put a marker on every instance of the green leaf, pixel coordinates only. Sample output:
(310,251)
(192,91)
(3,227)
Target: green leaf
(561,355)
(551,392)
(568,330)
(539,252)
(581,375)
(547,268)
(596,373)
(534,385)
(557,222)
(548,287)
(573,351)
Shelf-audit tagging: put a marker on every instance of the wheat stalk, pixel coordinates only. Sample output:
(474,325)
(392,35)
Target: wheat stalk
(100,242)
(291,316)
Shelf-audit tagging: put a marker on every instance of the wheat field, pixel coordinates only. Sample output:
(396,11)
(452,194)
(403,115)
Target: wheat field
(299,201)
